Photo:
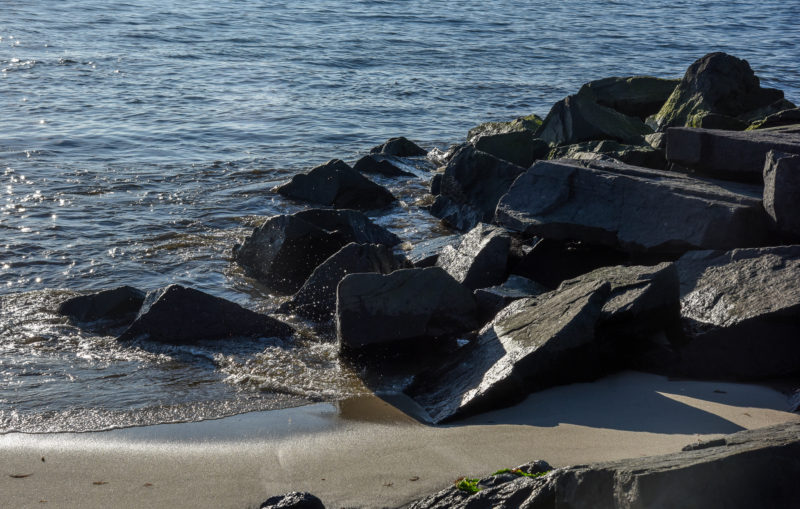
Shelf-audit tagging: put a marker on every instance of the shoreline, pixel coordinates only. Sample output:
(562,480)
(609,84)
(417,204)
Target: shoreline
(365,452)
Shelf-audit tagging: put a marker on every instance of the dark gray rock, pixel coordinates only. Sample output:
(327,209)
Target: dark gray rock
(481,258)
(742,312)
(721,87)
(376,163)
(631,208)
(293,500)
(179,315)
(337,184)
(729,154)
(493,299)
(636,155)
(753,468)
(785,118)
(118,304)
(426,253)
(517,147)
(782,191)
(284,251)
(436,184)
(635,96)
(565,336)
(530,123)
(400,147)
(578,118)
(316,300)
(408,304)
(472,184)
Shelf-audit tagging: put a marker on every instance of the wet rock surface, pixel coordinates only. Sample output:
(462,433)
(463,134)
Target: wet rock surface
(117,305)
(728,154)
(632,208)
(400,146)
(337,184)
(293,500)
(376,163)
(426,253)
(480,259)
(471,186)
(180,315)
(741,312)
(408,304)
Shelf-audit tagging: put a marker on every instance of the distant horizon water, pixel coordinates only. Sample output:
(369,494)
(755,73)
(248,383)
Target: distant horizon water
(140,139)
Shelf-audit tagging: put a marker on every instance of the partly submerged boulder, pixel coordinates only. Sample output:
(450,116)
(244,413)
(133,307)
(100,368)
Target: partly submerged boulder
(578,118)
(400,146)
(316,300)
(472,184)
(481,258)
(631,208)
(518,147)
(728,154)
(635,96)
(718,89)
(782,191)
(179,315)
(741,310)
(576,333)
(528,123)
(636,155)
(408,304)
(284,251)
(337,184)
(118,304)
(382,165)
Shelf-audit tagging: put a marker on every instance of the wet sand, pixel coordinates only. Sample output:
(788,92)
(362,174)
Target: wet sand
(366,452)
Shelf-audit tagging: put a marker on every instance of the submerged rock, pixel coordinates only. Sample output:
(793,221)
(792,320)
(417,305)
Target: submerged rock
(578,118)
(729,154)
(118,304)
(472,184)
(528,123)
(742,312)
(337,184)
(782,191)
(284,251)
(576,333)
(408,304)
(631,208)
(480,259)
(635,96)
(179,315)
(400,147)
(375,163)
(518,147)
(718,91)
(316,300)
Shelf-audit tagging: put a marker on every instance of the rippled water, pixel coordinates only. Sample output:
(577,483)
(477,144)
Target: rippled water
(139,141)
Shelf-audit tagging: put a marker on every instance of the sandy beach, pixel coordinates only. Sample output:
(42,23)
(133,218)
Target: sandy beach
(367,453)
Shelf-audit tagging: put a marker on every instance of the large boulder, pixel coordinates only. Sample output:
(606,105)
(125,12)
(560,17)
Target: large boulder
(753,468)
(635,96)
(729,154)
(636,155)
(528,123)
(400,147)
(578,118)
(179,315)
(742,312)
(116,305)
(782,191)
(284,251)
(382,165)
(576,333)
(316,300)
(631,208)
(337,184)
(406,305)
(472,184)
(518,147)
(718,90)
(480,260)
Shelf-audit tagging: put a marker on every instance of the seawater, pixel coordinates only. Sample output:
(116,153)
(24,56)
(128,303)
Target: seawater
(139,141)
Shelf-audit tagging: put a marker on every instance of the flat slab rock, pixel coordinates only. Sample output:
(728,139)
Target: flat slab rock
(753,468)
(179,315)
(408,304)
(733,154)
(742,312)
(631,208)
(549,340)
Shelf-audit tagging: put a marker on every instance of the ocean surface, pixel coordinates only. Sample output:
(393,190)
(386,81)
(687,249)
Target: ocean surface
(139,141)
